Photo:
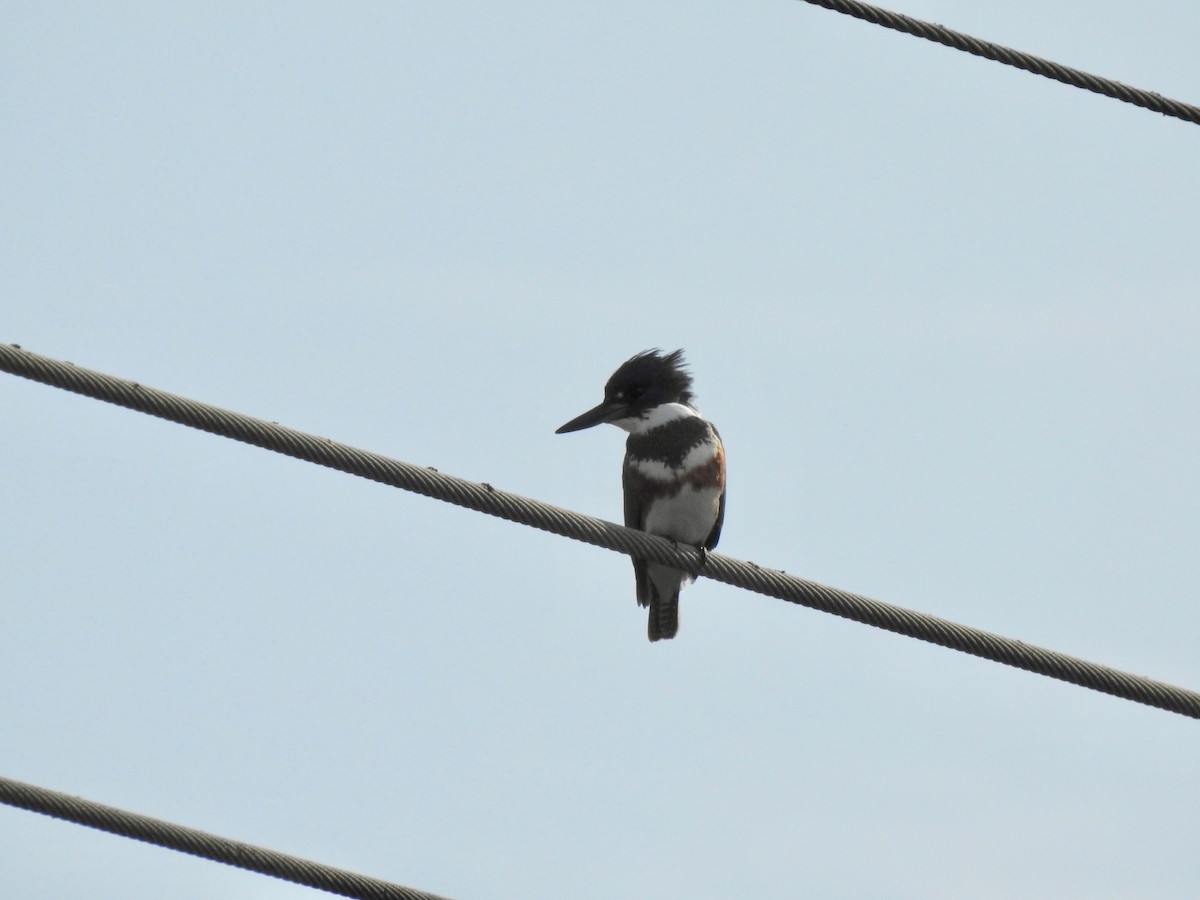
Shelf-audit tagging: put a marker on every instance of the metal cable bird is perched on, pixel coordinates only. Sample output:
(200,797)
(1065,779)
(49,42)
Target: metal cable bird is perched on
(485,498)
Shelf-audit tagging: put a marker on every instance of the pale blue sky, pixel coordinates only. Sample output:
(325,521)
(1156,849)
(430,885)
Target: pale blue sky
(944,313)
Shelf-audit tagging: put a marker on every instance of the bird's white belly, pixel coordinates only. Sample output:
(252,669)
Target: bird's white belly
(687,517)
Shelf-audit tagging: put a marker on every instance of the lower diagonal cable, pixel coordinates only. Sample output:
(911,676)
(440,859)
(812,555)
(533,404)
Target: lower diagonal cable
(203,844)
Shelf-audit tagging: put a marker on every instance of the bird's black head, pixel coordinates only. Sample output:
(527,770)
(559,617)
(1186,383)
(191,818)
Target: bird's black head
(641,383)
(648,379)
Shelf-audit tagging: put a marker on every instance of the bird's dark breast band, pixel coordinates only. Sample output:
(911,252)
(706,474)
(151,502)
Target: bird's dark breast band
(671,442)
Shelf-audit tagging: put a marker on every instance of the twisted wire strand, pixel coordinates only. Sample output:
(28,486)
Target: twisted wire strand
(200,843)
(526,511)
(1010,57)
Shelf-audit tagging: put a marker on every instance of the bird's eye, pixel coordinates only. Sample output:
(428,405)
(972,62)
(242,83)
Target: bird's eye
(634,392)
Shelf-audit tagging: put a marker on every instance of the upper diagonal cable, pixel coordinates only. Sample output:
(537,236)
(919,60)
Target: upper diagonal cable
(978,47)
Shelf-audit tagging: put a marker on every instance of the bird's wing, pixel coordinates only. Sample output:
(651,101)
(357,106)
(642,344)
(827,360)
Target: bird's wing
(635,517)
(715,534)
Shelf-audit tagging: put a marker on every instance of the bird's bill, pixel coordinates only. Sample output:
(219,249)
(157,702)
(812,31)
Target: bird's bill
(605,412)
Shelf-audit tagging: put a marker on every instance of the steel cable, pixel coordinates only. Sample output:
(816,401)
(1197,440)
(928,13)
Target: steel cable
(202,844)
(1010,57)
(526,511)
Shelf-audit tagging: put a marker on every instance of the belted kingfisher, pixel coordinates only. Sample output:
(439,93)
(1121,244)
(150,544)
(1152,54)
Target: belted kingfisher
(674,472)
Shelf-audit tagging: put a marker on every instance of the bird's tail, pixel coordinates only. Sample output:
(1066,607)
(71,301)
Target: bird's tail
(664,584)
(664,618)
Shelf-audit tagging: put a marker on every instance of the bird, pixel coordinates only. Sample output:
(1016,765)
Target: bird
(673,475)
